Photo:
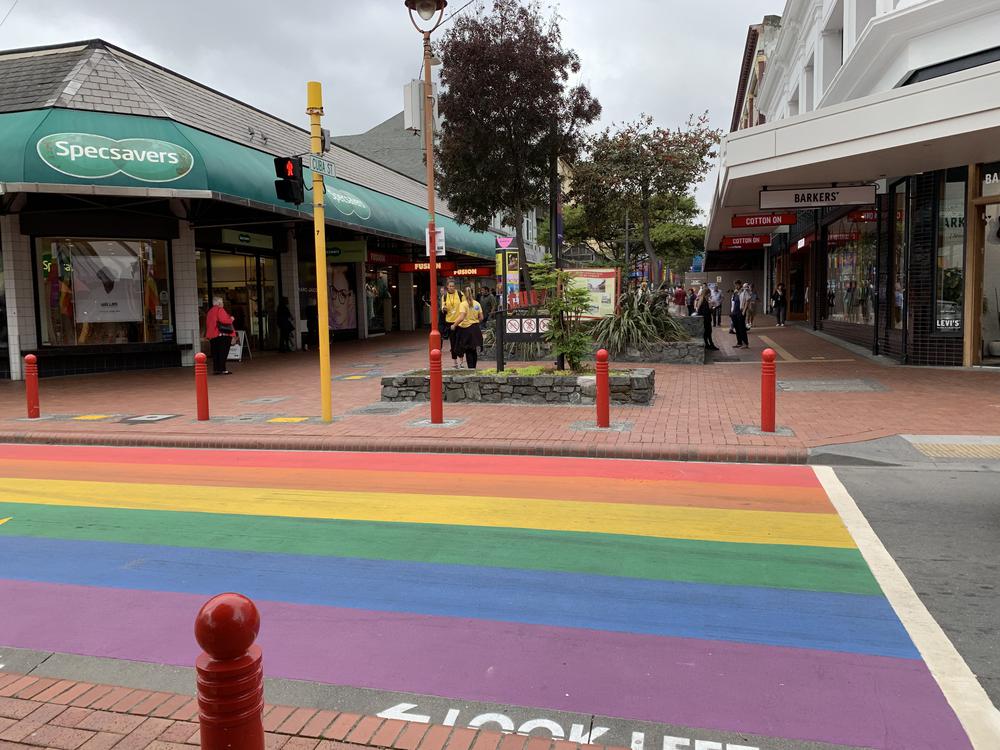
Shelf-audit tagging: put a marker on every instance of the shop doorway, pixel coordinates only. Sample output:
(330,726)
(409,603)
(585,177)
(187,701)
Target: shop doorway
(250,284)
(990,323)
(4,350)
(798,284)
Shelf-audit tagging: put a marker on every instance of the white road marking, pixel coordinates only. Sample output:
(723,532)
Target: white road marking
(971,704)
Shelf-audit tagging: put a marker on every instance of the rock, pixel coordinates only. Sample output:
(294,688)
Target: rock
(389,392)
(544,380)
(588,386)
(417,382)
(472,391)
(552,397)
(506,389)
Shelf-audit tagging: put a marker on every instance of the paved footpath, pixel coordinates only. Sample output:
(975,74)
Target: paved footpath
(719,606)
(829,396)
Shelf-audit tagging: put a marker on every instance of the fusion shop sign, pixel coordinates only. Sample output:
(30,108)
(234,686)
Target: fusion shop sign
(92,157)
(857,195)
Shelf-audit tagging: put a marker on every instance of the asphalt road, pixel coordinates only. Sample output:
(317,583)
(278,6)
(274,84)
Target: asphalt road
(942,526)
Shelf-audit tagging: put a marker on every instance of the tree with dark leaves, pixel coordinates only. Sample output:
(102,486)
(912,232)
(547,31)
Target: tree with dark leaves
(507,106)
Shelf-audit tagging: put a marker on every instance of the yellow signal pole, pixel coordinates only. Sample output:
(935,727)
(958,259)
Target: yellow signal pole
(314,108)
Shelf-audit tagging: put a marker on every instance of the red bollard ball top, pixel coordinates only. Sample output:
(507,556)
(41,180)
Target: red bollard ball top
(200,358)
(768,355)
(30,359)
(227,626)
(602,355)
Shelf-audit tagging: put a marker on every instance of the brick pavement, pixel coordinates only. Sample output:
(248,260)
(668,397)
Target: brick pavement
(694,414)
(50,713)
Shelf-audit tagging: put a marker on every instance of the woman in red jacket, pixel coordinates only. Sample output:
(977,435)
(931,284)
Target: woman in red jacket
(220,332)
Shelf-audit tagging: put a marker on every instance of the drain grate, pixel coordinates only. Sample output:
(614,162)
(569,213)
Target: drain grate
(385,407)
(849,385)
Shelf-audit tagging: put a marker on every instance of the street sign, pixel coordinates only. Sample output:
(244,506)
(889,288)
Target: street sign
(439,236)
(857,195)
(764,220)
(745,241)
(317,163)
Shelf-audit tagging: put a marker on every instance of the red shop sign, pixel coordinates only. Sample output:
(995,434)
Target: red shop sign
(764,220)
(386,259)
(480,271)
(442,265)
(746,240)
(863,217)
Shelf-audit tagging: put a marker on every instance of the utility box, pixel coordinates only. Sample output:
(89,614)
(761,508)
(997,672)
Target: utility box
(413,106)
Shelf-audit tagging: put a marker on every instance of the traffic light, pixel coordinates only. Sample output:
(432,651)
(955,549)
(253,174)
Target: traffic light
(289,185)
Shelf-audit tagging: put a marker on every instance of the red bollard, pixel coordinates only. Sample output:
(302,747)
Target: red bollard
(768,388)
(31,386)
(230,674)
(603,390)
(437,408)
(201,386)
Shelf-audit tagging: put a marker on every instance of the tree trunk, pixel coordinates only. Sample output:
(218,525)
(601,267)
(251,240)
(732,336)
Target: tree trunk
(521,254)
(646,242)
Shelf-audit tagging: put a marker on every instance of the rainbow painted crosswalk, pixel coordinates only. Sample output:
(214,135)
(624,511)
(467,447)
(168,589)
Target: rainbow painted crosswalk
(722,597)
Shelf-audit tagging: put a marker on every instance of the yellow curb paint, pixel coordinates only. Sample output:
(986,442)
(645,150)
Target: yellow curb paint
(668,522)
(92,417)
(355,377)
(785,355)
(5,520)
(287,420)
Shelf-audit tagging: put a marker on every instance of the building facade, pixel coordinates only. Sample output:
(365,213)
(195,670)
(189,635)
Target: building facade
(130,196)
(882,117)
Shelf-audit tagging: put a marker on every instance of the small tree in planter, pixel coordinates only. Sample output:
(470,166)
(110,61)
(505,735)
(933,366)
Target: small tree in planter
(640,323)
(565,303)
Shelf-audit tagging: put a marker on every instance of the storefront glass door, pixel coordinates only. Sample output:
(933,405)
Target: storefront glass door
(991,286)
(4,351)
(798,285)
(249,285)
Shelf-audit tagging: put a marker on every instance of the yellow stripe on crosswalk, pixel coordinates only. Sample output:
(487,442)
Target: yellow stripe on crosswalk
(712,524)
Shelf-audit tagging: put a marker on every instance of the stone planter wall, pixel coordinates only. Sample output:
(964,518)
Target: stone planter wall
(633,387)
(674,353)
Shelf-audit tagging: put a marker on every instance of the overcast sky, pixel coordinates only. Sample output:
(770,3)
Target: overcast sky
(668,58)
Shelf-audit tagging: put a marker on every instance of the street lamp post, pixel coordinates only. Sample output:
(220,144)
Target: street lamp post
(427,9)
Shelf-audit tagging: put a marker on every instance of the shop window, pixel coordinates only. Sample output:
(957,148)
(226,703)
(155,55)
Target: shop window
(949,274)
(898,270)
(103,291)
(850,274)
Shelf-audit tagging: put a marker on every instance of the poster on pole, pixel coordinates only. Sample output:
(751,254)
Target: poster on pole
(106,288)
(602,286)
(439,245)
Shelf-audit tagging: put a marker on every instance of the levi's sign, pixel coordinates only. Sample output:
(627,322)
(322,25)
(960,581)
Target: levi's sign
(94,156)
(764,220)
(857,195)
(746,240)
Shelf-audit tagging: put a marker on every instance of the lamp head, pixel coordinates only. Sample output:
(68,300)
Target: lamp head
(426,8)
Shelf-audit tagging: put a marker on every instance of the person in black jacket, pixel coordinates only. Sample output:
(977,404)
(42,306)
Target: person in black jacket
(703,308)
(779,303)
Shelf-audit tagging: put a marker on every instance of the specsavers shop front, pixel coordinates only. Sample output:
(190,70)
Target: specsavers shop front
(117,229)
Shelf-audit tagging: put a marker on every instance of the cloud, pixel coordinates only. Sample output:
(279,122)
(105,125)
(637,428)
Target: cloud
(668,58)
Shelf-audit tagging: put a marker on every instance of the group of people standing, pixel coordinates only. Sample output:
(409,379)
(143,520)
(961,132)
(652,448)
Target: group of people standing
(707,303)
(461,322)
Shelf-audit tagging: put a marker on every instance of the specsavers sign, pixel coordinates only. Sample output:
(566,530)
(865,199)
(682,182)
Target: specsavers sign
(92,156)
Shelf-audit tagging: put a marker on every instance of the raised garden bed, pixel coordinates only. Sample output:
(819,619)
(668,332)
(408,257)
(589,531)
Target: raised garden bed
(627,387)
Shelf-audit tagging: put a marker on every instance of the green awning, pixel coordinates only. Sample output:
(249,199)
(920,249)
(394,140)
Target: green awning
(74,147)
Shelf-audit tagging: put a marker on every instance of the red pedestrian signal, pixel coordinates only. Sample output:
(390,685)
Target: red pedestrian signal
(289,186)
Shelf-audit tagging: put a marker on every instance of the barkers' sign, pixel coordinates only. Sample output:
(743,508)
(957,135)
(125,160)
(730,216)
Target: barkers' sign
(857,195)
(92,157)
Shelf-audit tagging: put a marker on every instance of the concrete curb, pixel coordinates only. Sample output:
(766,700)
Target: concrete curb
(704,453)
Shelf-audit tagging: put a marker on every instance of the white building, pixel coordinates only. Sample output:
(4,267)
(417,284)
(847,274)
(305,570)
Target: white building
(904,95)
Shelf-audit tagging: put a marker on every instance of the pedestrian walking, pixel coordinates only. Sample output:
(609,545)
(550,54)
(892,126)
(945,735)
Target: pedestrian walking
(489,303)
(220,332)
(751,308)
(703,307)
(680,301)
(467,335)
(286,326)
(779,304)
(451,301)
(738,316)
(691,296)
(715,300)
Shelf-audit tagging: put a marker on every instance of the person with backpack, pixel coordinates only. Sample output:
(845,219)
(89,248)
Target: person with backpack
(779,304)
(467,335)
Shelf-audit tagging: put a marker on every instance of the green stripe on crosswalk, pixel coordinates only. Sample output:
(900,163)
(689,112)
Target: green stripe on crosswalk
(774,566)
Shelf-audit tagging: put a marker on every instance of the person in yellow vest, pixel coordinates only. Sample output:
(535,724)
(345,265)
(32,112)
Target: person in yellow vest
(451,301)
(466,333)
